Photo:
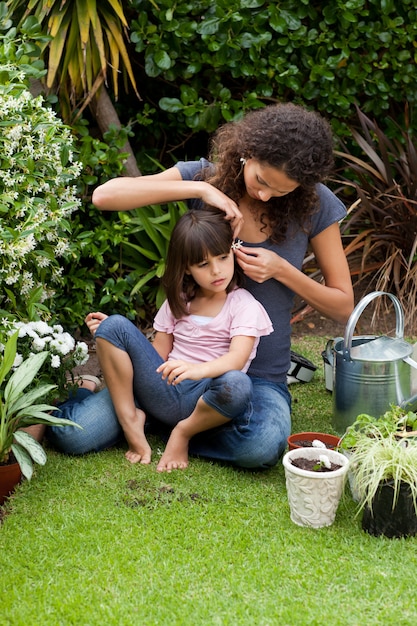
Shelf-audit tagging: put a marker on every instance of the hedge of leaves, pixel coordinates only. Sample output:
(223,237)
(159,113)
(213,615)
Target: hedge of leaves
(207,62)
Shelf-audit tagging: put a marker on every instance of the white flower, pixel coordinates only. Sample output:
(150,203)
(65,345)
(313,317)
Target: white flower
(18,360)
(236,245)
(38,344)
(55,361)
(81,353)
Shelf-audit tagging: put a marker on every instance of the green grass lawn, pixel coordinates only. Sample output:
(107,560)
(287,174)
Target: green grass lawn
(97,541)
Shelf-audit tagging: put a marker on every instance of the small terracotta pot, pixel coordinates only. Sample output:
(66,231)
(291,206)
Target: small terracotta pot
(10,476)
(331,441)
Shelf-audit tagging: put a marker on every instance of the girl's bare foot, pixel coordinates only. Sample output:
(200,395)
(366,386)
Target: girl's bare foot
(176,452)
(139,448)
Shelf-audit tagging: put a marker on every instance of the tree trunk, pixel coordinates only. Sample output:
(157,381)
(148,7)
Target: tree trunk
(105,114)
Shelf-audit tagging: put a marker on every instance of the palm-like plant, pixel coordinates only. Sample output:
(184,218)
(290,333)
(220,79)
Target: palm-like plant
(86,39)
(380,232)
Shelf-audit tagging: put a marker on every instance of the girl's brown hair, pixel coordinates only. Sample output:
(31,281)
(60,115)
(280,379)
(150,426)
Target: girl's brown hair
(197,233)
(288,137)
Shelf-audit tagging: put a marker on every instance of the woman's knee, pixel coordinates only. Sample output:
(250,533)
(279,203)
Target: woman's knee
(98,427)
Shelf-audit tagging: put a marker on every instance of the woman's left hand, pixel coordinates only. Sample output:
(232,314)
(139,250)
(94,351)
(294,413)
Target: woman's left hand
(257,263)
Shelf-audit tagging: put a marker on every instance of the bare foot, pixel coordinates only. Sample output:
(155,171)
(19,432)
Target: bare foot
(139,448)
(176,452)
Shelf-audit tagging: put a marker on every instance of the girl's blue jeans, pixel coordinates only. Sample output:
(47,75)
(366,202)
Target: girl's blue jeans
(259,411)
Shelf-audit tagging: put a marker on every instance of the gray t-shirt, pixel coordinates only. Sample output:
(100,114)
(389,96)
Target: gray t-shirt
(272,360)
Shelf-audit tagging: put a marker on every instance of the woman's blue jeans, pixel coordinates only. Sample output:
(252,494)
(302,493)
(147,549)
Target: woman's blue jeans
(259,411)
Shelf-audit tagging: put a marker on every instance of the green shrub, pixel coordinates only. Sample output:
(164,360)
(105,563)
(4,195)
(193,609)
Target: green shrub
(208,62)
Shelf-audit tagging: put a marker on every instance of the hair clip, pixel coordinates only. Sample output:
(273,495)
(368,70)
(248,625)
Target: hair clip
(236,245)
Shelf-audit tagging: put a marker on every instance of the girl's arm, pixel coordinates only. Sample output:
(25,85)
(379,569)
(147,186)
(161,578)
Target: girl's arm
(125,194)
(239,352)
(162,343)
(334,298)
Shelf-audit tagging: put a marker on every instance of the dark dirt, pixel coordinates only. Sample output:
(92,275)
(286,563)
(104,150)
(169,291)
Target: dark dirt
(309,322)
(307,443)
(311,465)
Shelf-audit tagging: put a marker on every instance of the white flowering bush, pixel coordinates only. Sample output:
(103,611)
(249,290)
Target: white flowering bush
(64,353)
(37,197)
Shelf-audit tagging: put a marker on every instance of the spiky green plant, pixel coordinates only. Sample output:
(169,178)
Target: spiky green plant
(379,459)
(380,232)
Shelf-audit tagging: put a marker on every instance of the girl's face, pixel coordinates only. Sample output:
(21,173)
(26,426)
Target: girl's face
(264,182)
(214,273)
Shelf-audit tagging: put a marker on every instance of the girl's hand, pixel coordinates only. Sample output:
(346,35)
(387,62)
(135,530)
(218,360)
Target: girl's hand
(176,371)
(93,321)
(216,198)
(258,263)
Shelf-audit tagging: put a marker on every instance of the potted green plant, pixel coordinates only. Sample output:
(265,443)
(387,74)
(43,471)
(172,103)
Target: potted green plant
(20,407)
(314,479)
(383,466)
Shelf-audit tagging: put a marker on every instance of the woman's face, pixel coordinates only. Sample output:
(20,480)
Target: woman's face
(264,182)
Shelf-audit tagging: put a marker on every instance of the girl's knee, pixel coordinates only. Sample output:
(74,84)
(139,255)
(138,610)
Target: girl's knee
(237,382)
(113,323)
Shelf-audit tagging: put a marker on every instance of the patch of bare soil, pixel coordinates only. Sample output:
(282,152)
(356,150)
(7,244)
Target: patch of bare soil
(372,321)
(311,465)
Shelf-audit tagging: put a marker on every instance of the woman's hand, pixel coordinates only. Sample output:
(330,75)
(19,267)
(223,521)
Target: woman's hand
(93,321)
(214,197)
(258,264)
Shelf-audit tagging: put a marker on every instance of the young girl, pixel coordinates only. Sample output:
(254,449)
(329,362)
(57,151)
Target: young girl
(193,374)
(265,172)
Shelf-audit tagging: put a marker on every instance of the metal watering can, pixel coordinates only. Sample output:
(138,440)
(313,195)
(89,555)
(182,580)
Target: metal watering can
(370,372)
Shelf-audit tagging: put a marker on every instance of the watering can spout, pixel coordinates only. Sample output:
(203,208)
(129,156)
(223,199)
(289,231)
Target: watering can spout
(410,404)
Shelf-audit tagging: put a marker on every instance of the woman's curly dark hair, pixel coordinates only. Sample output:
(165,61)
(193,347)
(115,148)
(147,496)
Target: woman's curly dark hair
(288,137)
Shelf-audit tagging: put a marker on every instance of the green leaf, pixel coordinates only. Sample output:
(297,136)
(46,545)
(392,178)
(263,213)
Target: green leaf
(173,105)
(31,446)
(162,59)
(23,376)
(24,459)
(27,400)
(8,356)
(208,27)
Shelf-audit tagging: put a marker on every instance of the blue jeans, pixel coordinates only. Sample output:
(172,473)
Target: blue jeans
(259,410)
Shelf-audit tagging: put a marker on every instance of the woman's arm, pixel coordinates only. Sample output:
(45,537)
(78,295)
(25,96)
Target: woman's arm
(125,194)
(334,298)
(235,359)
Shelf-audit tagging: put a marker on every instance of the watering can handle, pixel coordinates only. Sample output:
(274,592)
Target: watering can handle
(358,310)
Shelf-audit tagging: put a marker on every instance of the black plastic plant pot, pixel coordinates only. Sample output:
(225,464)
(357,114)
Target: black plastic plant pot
(400,521)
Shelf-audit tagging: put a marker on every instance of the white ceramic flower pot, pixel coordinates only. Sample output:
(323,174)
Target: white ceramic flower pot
(314,496)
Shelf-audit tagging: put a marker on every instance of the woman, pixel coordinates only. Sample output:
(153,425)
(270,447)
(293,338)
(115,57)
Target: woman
(264,172)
